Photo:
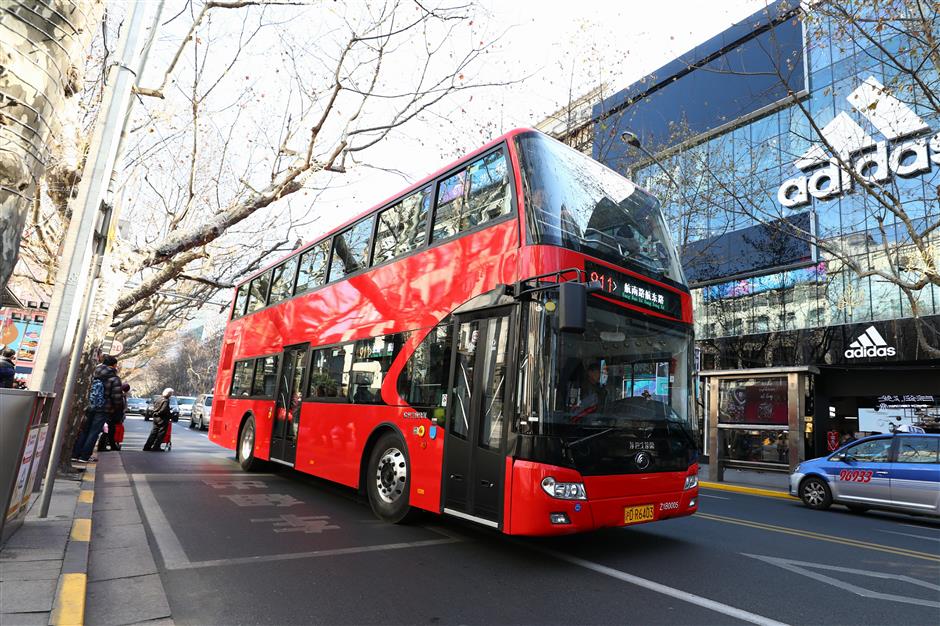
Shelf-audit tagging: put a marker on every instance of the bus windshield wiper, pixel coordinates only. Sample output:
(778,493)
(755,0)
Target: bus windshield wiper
(583,439)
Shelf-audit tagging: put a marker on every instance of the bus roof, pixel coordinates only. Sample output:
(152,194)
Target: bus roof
(404,192)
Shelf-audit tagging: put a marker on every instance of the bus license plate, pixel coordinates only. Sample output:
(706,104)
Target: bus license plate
(634,514)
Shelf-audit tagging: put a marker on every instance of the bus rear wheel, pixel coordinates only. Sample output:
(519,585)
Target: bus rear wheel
(388,479)
(246,446)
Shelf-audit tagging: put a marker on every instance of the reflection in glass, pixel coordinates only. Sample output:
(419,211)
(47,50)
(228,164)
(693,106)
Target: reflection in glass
(621,387)
(351,250)
(575,202)
(766,446)
(312,269)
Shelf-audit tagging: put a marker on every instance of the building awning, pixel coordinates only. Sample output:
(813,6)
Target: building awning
(8,299)
(761,371)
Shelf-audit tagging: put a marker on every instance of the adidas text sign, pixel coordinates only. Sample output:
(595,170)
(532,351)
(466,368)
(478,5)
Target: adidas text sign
(870,161)
(869,344)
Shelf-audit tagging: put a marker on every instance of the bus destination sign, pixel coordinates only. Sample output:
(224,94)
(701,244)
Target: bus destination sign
(634,291)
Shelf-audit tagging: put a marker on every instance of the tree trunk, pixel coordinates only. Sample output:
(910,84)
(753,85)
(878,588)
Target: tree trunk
(42,47)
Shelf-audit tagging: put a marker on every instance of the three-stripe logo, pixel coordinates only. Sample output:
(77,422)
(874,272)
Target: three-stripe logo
(869,343)
(871,160)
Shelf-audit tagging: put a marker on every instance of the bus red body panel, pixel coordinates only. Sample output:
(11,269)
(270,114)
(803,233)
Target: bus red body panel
(607,498)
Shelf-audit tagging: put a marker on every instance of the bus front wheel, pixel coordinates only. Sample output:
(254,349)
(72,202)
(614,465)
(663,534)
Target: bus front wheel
(387,479)
(246,446)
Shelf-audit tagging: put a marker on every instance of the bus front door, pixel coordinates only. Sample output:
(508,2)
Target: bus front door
(287,408)
(477,421)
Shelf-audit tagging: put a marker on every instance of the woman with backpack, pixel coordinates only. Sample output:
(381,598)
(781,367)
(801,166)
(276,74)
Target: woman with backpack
(161,421)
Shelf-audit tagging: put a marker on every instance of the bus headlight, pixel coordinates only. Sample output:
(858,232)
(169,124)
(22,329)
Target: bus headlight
(563,491)
(691,481)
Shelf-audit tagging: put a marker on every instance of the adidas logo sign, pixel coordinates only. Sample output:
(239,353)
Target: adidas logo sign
(869,343)
(871,160)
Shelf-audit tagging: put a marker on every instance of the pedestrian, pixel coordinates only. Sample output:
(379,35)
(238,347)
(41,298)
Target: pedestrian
(105,400)
(109,439)
(7,368)
(161,421)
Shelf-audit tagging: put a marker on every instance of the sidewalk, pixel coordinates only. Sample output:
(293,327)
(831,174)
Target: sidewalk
(89,561)
(43,564)
(746,480)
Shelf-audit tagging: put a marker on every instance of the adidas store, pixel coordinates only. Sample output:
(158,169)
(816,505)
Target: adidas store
(797,345)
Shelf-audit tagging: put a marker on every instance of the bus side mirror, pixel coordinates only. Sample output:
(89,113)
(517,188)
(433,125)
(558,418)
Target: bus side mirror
(572,307)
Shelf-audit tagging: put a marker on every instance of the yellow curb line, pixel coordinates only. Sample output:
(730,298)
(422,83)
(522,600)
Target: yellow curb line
(70,605)
(81,530)
(754,491)
(86,495)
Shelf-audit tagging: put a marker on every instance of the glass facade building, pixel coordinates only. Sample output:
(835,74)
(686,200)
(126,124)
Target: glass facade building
(798,158)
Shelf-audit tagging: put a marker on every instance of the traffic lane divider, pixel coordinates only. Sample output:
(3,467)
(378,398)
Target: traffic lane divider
(68,609)
(808,534)
(753,491)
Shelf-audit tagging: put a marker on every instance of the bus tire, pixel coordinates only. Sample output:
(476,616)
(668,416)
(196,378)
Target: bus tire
(246,446)
(388,479)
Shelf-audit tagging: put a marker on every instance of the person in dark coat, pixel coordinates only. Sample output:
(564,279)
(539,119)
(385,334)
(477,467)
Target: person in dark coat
(161,419)
(106,372)
(7,368)
(107,441)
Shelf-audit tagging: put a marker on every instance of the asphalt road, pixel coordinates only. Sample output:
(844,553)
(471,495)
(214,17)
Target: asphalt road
(283,548)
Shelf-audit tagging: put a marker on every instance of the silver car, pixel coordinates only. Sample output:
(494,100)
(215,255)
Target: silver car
(900,472)
(202,412)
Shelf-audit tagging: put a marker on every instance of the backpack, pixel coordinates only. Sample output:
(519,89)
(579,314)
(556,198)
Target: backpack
(96,394)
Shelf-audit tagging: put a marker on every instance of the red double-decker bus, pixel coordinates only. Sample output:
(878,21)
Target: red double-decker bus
(508,341)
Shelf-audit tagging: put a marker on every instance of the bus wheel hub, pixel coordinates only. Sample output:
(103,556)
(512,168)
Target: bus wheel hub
(391,475)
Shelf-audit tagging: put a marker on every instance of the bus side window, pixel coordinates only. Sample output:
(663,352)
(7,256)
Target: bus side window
(258,293)
(473,196)
(265,375)
(241,379)
(312,270)
(423,381)
(351,250)
(402,228)
(329,374)
(372,359)
(283,282)
(241,299)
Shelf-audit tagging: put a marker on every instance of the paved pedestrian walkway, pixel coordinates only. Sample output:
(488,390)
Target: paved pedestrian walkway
(35,559)
(774,481)
(88,562)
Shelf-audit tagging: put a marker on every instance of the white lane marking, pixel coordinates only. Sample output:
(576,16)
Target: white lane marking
(197,476)
(174,557)
(705,495)
(894,532)
(685,596)
(315,554)
(802,568)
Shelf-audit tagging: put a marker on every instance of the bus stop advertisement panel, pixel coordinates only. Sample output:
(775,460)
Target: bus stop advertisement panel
(24,439)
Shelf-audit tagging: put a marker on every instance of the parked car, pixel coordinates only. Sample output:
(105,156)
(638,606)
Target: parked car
(136,405)
(186,405)
(202,412)
(899,472)
(174,408)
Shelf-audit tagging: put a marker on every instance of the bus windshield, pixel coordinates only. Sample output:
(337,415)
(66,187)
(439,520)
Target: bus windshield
(575,202)
(621,388)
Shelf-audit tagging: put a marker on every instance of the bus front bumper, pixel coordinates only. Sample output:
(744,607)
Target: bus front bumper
(611,501)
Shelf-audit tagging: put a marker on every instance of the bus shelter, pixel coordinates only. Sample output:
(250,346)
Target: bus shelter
(757,419)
